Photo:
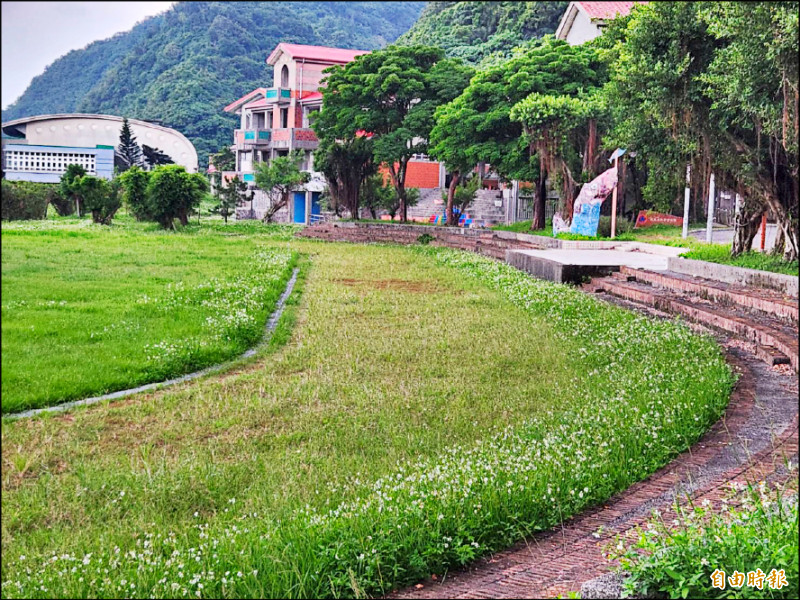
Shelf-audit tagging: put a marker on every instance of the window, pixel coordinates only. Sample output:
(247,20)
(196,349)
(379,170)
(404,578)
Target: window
(285,77)
(284,117)
(48,162)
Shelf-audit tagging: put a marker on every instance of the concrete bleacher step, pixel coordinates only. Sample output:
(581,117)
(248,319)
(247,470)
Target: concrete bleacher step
(777,342)
(763,301)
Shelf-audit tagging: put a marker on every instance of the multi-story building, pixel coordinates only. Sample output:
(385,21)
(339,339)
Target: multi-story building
(276,120)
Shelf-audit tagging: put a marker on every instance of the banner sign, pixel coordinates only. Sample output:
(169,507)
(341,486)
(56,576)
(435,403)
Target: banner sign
(586,211)
(647,218)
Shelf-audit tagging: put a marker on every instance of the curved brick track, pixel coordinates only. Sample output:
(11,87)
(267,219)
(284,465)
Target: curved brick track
(755,439)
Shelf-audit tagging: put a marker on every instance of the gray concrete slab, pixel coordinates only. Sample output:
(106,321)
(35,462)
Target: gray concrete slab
(602,258)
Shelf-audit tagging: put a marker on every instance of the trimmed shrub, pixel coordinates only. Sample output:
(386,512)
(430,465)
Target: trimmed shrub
(24,200)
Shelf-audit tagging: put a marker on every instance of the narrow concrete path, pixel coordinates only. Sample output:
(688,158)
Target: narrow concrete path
(753,441)
(272,322)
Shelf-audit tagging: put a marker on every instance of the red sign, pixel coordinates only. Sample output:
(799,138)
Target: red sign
(647,218)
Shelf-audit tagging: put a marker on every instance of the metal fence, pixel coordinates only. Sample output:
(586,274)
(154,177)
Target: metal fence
(525,207)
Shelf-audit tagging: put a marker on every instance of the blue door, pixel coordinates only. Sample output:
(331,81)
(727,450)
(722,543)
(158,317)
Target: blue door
(299,207)
(315,208)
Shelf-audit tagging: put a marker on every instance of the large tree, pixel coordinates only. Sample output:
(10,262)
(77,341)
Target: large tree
(391,95)
(154,157)
(476,126)
(713,85)
(128,151)
(346,164)
(752,83)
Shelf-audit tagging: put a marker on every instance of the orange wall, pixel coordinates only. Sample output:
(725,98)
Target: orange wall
(419,174)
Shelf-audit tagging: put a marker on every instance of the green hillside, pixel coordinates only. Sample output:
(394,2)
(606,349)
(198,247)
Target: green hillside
(483,31)
(182,67)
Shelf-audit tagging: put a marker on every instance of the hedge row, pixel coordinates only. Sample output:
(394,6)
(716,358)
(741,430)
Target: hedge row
(25,200)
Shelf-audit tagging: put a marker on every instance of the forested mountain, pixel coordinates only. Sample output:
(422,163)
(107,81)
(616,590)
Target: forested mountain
(483,31)
(182,67)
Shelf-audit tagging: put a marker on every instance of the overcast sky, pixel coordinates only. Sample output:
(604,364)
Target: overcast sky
(34,34)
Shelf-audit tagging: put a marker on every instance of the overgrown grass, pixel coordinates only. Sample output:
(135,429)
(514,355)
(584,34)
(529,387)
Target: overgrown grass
(89,309)
(721,253)
(431,406)
(750,531)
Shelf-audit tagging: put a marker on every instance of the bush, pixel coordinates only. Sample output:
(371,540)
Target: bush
(679,560)
(604,227)
(100,197)
(134,187)
(24,200)
(63,206)
(172,193)
(67,188)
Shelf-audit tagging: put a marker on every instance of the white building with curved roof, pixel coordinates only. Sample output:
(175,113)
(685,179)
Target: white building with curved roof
(40,148)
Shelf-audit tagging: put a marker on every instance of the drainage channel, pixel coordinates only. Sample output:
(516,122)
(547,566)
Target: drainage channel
(272,323)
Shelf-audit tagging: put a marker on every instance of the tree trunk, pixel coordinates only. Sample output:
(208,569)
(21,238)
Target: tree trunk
(747,226)
(540,201)
(451,192)
(780,243)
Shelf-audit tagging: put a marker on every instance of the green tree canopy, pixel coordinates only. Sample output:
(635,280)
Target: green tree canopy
(154,157)
(713,85)
(392,94)
(172,193)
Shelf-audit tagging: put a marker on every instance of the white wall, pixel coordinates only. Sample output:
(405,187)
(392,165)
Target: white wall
(582,30)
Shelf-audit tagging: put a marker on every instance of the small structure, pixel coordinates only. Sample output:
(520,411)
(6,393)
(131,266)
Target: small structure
(40,148)
(584,21)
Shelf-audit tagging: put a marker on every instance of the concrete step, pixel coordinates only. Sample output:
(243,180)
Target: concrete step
(772,335)
(764,301)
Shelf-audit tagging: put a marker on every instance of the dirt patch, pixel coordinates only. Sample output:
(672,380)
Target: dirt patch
(415,287)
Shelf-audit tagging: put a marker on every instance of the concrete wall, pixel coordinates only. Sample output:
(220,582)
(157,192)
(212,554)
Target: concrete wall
(485,241)
(788,284)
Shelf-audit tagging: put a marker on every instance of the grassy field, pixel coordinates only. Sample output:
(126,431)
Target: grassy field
(87,309)
(429,406)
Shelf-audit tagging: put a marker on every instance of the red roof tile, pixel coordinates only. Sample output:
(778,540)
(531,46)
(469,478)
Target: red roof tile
(311,97)
(607,10)
(260,103)
(250,95)
(316,53)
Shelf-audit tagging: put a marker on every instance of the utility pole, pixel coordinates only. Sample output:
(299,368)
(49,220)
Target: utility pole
(686,193)
(614,200)
(711,199)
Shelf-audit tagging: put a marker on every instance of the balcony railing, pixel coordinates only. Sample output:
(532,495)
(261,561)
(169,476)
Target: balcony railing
(278,94)
(278,139)
(251,137)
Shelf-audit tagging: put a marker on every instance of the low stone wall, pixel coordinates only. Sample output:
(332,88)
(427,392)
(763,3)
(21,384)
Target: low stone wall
(484,241)
(788,284)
